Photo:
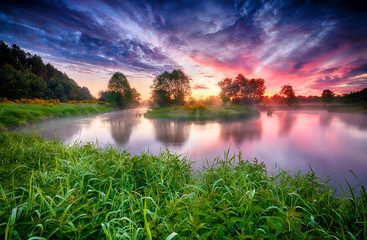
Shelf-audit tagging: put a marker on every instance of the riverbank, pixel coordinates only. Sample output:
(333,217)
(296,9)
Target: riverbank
(210,113)
(50,190)
(332,107)
(16,114)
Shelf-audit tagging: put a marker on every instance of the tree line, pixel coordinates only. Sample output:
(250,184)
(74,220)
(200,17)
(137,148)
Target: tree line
(23,75)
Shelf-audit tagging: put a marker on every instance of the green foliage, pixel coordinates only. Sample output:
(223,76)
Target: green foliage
(170,88)
(120,92)
(202,112)
(23,75)
(13,115)
(15,84)
(52,191)
(242,89)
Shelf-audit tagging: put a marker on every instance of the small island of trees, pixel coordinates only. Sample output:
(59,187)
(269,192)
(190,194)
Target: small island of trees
(25,76)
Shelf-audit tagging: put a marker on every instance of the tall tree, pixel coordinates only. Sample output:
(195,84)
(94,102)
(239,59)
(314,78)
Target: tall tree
(170,88)
(227,90)
(327,96)
(120,91)
(242,89)
(288,92)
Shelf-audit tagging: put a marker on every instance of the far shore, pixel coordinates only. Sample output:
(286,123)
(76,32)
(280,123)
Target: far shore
(333,107)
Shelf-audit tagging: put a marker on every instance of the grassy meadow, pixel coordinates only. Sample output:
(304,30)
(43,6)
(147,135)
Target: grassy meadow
(202,112)
(49,190)
(18,114)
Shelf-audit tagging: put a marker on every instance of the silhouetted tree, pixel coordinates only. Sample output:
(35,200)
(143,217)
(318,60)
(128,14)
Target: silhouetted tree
(242,89)
(170,88)
(327,96)
(136,96)
(356,97)
(288,93)
(228,90)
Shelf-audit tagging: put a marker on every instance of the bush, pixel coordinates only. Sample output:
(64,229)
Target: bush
(188,107)
(201,106)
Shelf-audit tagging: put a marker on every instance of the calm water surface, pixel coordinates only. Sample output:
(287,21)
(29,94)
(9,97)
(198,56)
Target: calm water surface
(332,143)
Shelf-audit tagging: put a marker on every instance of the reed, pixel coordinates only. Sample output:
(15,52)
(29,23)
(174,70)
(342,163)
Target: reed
(82,191)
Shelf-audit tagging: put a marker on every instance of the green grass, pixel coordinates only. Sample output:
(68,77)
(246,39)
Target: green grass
(13,115)
(212,113)
(49,190)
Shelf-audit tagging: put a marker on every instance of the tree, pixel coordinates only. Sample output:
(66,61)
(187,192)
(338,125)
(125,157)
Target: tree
(120,91)
(327,96)
(24,75)
(242,89)
(85,94)
(170,88)
(288,93)
(356,97)
(136,96)
(20,84)
(227,92)
(55,90)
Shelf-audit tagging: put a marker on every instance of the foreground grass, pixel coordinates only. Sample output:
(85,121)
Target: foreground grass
(49,190)
(211,113)
(13,115)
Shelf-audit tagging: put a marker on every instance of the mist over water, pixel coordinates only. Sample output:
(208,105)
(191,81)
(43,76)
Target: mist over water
(331,143)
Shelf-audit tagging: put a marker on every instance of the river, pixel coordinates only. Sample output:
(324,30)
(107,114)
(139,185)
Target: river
(331,143)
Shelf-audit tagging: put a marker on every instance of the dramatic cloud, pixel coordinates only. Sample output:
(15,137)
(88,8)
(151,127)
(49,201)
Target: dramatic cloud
(199,86)
(312,45)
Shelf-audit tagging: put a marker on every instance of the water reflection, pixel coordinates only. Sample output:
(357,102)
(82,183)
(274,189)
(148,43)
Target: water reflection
(325,119)
(170,132)
(238,131)
(330,142)
(357,120)
(65,129)
(121,125)
(286,121)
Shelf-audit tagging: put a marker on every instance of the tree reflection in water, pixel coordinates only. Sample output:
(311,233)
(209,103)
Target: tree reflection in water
(65,129)
(357,120)
(240,130)
(325,119)
(286,121)
(122,123)
(171,132)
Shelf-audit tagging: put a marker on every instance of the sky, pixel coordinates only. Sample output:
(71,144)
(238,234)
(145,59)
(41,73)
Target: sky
(311,45)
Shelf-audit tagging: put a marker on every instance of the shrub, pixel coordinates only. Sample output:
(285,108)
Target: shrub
(188,107)
(201,106)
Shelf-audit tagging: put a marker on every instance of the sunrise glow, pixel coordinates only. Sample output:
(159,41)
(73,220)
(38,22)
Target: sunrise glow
(311,46)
